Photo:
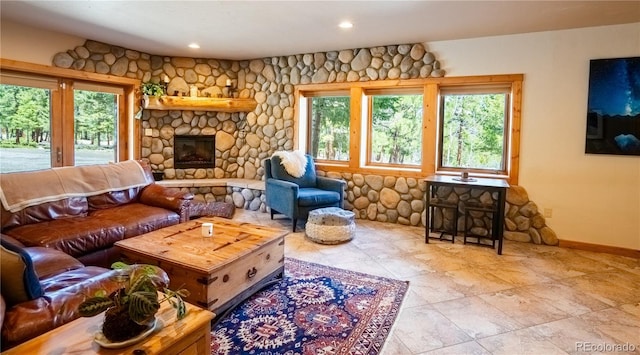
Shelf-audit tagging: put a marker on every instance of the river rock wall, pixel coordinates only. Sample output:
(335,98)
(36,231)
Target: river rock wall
(244,140)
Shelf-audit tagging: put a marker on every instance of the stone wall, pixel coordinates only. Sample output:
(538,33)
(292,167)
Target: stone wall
(246,198)
(244,140)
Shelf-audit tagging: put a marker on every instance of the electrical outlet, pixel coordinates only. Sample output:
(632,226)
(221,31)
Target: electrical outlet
(148,132)
(548,212)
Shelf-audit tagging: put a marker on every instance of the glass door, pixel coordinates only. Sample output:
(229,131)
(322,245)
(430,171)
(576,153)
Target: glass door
(25,123)
(96,121)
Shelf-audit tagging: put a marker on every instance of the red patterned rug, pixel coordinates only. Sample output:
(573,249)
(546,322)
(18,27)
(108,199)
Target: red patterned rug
(315,309)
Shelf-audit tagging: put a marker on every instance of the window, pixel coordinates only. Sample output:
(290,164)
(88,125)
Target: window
(474,126)
(328,127)
(413,128)
(394,130)
(48,121)
(95,123)
(25,123)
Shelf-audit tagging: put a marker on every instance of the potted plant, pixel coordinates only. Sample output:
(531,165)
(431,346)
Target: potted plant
(152,89)
(131,310)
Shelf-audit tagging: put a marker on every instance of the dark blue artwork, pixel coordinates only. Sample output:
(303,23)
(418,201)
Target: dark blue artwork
(613,113)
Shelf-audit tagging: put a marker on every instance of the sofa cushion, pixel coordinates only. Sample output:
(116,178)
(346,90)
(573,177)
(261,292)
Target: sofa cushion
(113,198)
(316,197)
(29,319)
(137,218)
(74,236)
(18,277)
(306,180)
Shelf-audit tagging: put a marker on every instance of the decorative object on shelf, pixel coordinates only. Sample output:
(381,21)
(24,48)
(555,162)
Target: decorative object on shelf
(130,311)
(164,83)
(152,89)
(229,89)
(193,91)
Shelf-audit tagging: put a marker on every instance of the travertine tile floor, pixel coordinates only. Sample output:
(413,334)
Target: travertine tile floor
(465,299)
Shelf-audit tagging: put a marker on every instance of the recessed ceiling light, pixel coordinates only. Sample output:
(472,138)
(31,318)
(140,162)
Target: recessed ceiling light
(345,24)
(194,45)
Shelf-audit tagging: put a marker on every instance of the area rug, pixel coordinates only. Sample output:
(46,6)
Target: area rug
(315,309)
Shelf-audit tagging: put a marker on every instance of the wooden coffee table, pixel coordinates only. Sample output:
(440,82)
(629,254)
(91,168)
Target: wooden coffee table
(219,271)
(190,335)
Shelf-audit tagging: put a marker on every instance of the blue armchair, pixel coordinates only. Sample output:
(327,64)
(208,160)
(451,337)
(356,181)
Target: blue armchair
(295,197)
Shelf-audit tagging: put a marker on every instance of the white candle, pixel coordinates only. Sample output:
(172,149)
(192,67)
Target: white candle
(165,78)
(194,91)
(207,230)
(228,82)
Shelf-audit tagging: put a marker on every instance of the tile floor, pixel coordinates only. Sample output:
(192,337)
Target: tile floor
(466,299)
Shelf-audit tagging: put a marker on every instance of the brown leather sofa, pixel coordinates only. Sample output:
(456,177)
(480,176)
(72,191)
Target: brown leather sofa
(66,242)
(86,226)
(64,282)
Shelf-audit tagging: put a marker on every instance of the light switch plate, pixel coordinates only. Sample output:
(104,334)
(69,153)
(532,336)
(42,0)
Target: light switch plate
(148,132)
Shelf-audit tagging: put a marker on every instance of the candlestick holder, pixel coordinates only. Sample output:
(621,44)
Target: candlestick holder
(164,83)
(228,90)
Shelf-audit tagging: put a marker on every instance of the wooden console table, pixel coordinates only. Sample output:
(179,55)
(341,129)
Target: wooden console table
(492,185)
(190,335)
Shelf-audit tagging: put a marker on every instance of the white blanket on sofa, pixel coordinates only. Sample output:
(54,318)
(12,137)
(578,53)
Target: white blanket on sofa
(24,189)
(294,162)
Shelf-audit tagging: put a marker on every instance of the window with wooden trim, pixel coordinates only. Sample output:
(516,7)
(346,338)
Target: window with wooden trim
(418,127)
(50,121)
(474,129)
(328,127)
(394,135)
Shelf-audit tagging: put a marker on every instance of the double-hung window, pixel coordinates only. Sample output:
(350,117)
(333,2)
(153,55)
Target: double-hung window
(328,126)
(474,129)
(394,134)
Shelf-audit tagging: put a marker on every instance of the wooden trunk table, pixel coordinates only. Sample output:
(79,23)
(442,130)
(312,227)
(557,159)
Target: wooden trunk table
(188,336)
(219,271)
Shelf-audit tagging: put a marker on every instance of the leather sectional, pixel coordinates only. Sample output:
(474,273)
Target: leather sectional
(66,243)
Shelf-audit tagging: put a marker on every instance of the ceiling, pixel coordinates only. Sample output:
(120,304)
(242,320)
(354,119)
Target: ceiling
(256,29)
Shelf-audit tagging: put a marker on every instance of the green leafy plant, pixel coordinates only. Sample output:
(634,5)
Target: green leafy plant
(138,300)
(152,89)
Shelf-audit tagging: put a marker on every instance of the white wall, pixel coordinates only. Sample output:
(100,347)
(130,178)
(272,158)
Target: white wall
(595,198)
(33,45)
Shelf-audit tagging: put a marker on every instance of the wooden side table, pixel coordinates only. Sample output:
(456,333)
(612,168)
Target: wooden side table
(190,335)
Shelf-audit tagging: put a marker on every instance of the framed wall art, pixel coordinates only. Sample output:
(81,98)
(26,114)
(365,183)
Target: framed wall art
(613,112)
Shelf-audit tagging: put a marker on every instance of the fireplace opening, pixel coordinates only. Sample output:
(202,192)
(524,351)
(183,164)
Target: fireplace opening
(194,151)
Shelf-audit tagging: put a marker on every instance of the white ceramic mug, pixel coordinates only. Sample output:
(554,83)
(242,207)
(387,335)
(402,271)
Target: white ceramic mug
(207,230)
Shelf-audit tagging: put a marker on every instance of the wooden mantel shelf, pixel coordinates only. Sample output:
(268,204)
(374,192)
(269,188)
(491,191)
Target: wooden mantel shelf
(198,103)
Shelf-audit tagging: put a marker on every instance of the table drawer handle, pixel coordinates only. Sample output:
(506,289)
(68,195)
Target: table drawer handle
(251,273)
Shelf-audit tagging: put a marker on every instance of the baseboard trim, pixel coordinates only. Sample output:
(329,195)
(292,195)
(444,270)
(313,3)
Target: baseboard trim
(632,253)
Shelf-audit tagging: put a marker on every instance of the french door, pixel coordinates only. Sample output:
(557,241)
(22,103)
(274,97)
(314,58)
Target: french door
(50,122)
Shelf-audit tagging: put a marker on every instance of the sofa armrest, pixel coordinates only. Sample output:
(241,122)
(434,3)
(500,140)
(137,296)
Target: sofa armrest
(11,240)
(336,185)
(48,261)
(282,196)
(326,183)
(169,198)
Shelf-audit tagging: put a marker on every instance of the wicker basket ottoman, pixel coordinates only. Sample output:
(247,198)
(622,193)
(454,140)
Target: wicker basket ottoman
(330,225)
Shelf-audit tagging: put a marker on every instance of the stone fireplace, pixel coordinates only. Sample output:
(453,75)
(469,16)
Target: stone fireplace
(194,151)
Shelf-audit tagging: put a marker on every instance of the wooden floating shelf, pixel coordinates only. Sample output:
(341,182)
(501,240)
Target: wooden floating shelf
(198,103)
